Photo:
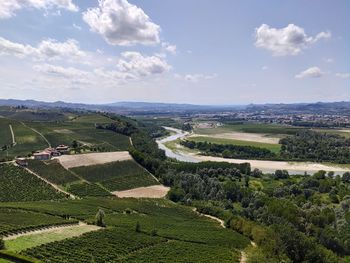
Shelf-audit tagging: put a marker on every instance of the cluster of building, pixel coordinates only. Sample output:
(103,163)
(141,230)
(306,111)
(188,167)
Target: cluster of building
(44,155)
(50,152)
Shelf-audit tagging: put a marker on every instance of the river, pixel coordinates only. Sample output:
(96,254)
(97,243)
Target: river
(264,166)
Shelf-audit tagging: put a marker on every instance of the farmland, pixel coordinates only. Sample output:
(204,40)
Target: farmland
(117,175)
(82,189)
(37,238)
(27,141)
(13,221)
(272,147)
(5,134)
(17,184)
(175,226)
(71,161)
(52,171)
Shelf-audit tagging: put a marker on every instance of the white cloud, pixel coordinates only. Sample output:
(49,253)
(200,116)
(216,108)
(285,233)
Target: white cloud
(328,60)
(58,71)
(290,40)
(136,64)
(9,7)
(121,23)
(195,77)
(172,49)
(47,49)
(264,67)
(313,72)
(343,75)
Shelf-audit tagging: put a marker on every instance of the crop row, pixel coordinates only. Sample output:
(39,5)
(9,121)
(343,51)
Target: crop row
(117,175)
(16,184)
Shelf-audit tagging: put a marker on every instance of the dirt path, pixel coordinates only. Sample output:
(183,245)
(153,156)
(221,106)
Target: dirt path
(220,221)
(53,185)
(39,133)
(13,136)
(47,229)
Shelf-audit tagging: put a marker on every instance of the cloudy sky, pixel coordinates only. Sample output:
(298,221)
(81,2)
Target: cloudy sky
(186,51)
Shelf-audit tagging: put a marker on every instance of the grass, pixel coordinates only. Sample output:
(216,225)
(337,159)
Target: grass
(16,184)
(272,147)
(116,176)
(33,240)
(273,129)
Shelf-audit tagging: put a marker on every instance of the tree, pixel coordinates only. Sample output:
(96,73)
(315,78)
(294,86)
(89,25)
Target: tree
(100,218)
(75,144)
(346,177)
(246,180)
(138,227)
(176,194)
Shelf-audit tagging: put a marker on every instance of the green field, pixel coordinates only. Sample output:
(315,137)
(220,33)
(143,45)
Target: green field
(5,134)
(37,239)
(27,141)
(83,132)
(16,220)
(179,235)
(16,184)
(53,171)
(273,129)
(116,176)
(83,189)
(272,147)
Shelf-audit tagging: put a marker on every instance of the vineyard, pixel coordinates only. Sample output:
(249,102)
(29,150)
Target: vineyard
(17,184)
(165,230)
(87,189)
(52,171)
(14,220)
(117,176)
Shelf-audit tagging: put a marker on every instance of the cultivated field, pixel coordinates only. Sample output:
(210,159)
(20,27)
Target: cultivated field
(35,238)
(71,161)
(115,176)
(16,184)
(242,141)
(155,191)
(168,231)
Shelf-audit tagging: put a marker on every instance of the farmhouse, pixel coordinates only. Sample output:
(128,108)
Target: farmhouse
(44,155)
(22,161)
(62,149)
(53,152)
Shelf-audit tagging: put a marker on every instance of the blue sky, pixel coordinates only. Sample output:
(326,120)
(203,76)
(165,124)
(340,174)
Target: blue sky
(186,51)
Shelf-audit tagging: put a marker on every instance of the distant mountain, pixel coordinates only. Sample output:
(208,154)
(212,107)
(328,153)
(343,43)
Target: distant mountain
(123,106)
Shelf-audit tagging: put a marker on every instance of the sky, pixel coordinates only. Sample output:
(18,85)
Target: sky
(180,51)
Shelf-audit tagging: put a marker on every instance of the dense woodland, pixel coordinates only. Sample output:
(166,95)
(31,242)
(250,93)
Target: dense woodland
(316,146)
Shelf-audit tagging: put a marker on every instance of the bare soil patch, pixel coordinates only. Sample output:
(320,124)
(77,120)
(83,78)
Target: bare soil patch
(63,131)
(154,191)
(77,160)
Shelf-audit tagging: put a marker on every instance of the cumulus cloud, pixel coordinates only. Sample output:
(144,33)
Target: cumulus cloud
(122,23)
(290,40)
(313,72)
(9,7)
(49,49)
(343,75)
(139,65)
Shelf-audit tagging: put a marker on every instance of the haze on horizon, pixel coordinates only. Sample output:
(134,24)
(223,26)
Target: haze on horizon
(235,52)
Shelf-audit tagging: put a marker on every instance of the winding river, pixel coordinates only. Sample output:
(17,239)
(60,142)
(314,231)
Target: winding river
(264,166)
